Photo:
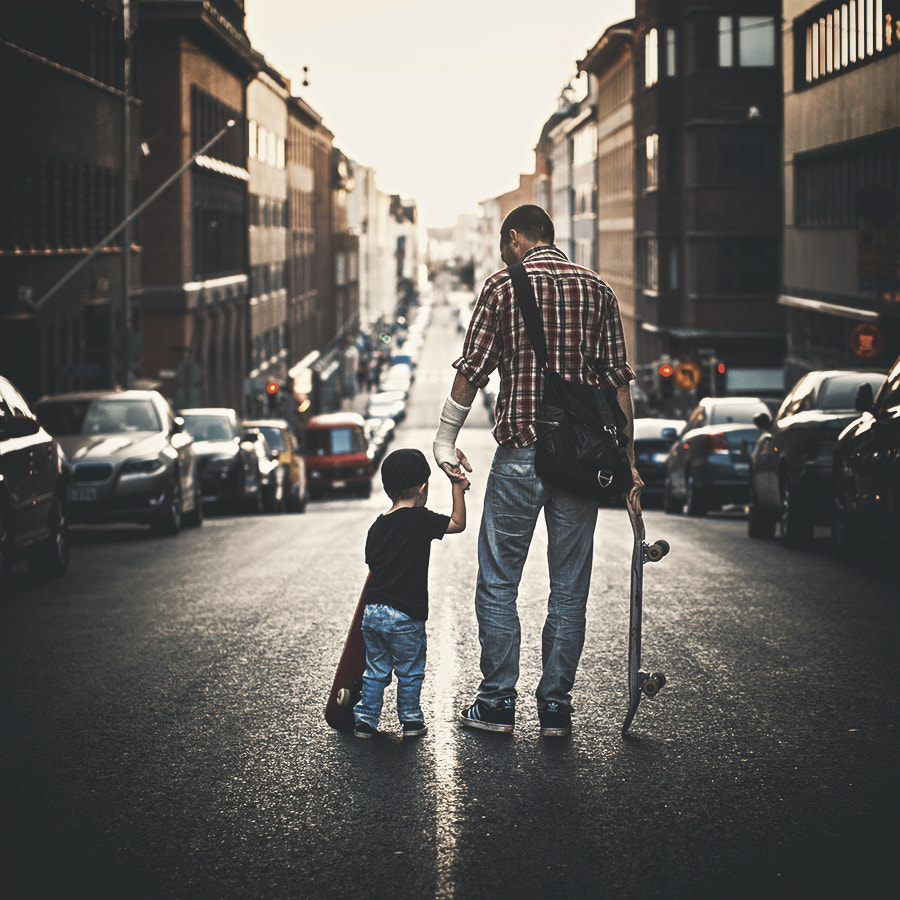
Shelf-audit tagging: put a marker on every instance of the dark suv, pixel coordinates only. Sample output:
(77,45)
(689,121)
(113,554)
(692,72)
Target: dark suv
(32,496)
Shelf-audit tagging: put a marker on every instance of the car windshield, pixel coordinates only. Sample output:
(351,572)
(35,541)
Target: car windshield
(274,437)
(735,413)
(99,416)
(206,427)
(329,441)
(840,392)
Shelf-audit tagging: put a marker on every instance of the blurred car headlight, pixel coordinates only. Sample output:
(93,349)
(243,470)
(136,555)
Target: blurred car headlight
(143,466)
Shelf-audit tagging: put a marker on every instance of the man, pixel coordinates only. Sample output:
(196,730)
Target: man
(584,343)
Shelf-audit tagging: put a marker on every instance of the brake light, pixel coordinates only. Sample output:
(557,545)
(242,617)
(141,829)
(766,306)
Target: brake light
(718,443)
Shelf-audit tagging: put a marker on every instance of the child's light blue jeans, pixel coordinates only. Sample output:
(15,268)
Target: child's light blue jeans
(394,642)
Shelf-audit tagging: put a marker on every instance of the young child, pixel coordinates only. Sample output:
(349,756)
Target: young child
(397,552)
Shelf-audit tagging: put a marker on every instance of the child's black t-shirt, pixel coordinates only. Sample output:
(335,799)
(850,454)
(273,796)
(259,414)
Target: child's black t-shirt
(398,548)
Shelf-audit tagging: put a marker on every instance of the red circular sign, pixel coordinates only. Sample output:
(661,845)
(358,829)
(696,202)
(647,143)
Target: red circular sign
(865,341)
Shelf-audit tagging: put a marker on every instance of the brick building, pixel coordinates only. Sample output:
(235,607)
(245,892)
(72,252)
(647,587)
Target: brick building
(62,159)
(195,64)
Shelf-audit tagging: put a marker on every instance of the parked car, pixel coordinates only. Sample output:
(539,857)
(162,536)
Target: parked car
(866,471)
(790,469)
(387,405)
(652,440)
(709,463)
(126,457)
(337,457)
(272,480)
(33,524)
(228,466)
(281,438)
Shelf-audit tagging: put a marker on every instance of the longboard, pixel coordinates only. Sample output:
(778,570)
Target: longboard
(347,686)
(640,683)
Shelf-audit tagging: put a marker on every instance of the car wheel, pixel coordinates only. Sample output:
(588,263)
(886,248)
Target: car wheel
(694,501)
(796,528)
(51,558)
(169,523)
(195,518)
(669,503)
(760,523)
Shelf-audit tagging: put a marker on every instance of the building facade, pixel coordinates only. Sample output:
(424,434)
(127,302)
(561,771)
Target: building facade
(67,145)
(268,210)
(708,212)
(841,285)
(196,62)
(610,69)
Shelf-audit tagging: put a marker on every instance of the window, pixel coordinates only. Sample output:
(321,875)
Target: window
(828,184)
(651,57)
(670,65)
(251,137)
(748,265)
(734,154)
(834,37)
(652,150)
(746,41)
(651,262)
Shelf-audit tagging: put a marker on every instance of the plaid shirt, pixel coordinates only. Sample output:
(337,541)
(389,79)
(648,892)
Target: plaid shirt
(584,335)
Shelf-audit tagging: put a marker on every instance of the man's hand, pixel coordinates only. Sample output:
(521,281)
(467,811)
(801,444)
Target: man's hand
(455,473)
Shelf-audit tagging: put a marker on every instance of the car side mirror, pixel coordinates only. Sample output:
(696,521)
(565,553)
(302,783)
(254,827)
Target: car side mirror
(762,421)
(18,426)
(865,398)
(177,425)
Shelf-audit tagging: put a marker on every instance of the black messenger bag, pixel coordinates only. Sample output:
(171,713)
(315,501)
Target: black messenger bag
(581,444)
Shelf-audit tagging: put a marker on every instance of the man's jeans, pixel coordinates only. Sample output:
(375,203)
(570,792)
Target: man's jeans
(395,642)
(513,499)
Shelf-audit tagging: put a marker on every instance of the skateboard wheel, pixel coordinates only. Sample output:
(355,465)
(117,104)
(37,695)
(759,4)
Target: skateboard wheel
(657,550)
(343,697)
(653,684)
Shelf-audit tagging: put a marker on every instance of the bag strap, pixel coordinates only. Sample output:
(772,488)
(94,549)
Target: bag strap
(525,300)
(534,325)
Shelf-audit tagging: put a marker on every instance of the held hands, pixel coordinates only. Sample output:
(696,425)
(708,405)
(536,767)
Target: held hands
(455,473)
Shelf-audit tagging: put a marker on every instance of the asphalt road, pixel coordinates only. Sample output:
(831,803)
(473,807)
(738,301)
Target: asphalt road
(161,730)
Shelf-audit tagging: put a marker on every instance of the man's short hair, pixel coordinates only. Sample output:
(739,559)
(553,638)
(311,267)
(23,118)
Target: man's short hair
(530,221)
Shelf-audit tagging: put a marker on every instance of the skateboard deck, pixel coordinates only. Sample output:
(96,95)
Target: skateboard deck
(640,683)
(347,687)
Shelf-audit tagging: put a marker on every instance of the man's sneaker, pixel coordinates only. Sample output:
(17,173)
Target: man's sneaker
(489,718)
(554,721)
(414,729)
(364,730)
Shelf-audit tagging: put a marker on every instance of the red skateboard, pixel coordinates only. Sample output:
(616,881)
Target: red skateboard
(347,687)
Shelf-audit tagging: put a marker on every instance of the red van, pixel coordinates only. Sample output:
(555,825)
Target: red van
(337,458)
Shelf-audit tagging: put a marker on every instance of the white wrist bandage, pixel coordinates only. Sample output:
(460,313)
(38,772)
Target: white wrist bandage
(452,417)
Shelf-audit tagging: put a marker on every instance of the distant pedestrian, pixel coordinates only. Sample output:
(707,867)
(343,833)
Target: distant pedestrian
(585,344)
(398,549)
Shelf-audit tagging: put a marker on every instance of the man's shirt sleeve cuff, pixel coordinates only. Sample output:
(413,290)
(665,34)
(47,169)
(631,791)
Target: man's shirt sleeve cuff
(472,374)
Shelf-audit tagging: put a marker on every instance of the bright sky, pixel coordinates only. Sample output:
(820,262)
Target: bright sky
(444,100)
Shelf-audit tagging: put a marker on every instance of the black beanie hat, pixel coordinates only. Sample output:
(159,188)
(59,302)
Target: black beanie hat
(404,469)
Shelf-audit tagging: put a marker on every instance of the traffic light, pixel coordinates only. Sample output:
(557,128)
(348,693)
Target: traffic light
(666,373)
(272,388)
(719,370)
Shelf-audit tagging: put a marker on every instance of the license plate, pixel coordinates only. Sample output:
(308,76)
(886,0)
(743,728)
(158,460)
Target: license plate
(82,495)
(338,484)
(742,467)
